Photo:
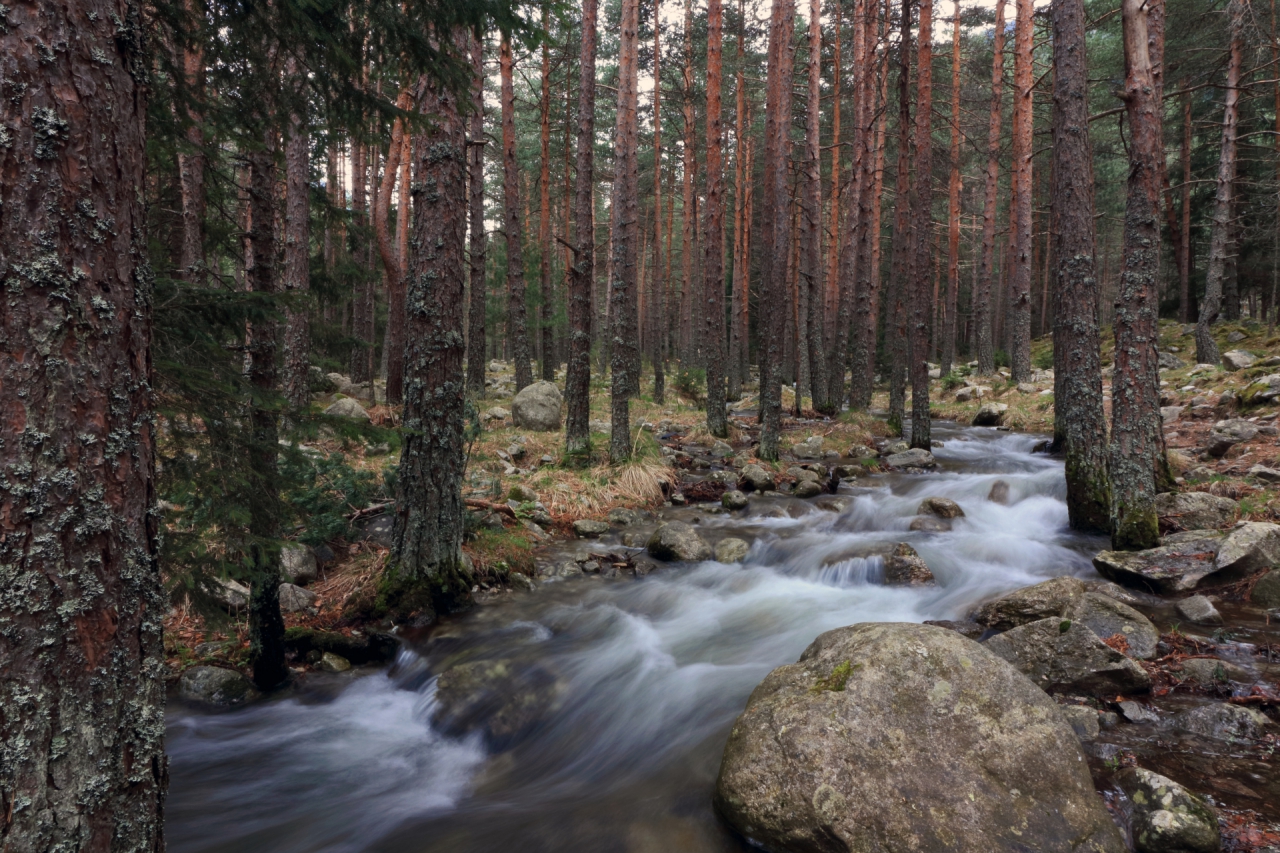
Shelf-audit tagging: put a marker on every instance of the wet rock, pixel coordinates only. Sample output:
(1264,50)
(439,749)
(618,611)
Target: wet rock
(623,517)
(677,541)
(1107,617)
(329,662)
(1220,721)
(1266,592)
(991,414)
(1198,610)
(1166,817)
(1083,721)
(1057,653)
(1238,359)
(929,524)
(523,494)
(1168,569)
(810,448)
(295,599)
(1030,603)
(1195,510)
(963,627)
(1131,597)
(802,473)
(838,752)
(913,458)
(1227,434)
(755,478)
(216,685)
(999,493)
(590,528)
(1264,474)
(1248,547)
(298,564)
(731,550)
(941,507)
(1137,713)
(347,407)
(1210,671)
(504,699)
(357,648)
(733,499)
(904,567)
(808,489)
(537,407)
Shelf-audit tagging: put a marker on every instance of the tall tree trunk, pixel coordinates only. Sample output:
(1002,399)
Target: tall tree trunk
(874,244)
(776,231)
(847,290)
(297,256)
(545,249)
(1019,317)
(901,276)
(81,657)
(1220,236)
(832,290)
(577,438)
(984,322)
(427,575)
(517,308)
(947,361)
(741,224)
(266,625)
(1137,443)
(191,160)
(625,227)
(1080,428)
(1185,305)
(475,183)
(689,304)
(658,338)
(392,262)
(810,280)
(362,297)
(713,241)
(922,233)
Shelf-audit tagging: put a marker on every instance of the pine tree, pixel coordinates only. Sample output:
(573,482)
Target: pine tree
(475,184)
(517,309)
(984,326)
(1019,318)
(922,234)
(713,241)
(625,227)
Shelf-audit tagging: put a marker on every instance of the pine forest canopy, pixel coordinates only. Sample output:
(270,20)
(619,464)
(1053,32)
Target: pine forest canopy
(213,211)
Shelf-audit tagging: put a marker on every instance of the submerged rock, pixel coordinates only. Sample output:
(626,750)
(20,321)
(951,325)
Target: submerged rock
(733,499)
(1220,721)
(537,407)
(840,752)
(1166,817)
(677,541)
(504,699)
(1061,654)
(941,507)
(216,685)
(929,524)
(1030,603)
(731,550)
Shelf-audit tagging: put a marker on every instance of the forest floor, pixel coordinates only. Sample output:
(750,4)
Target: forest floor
(522,494)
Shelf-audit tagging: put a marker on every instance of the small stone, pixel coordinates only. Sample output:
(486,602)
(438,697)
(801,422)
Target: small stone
(1237,359)
(999,493)
(1166,817)
(295,599)
(1169,414)
(810,448)
(733,499)
(1136,712)
(808,489)
(590,528)
(523,494)
(1198,610)
(1236,336)
(1208,671)
(913,458)
(623,517)
(1195,510)
(678,499)
(1219,721)
(1266,592)
(905,567)
(731,550)
(347,407)
(1264,474)
(941,507)
(216,685)
(1227,434)
(755,478)
(329,662)
(298,564)
(677,541)
(1083,720)
(496,413)
(929,524)
(537,407)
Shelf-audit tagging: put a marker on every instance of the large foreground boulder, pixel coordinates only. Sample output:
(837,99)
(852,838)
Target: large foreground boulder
(1059,654)
(537,407)
(907,739)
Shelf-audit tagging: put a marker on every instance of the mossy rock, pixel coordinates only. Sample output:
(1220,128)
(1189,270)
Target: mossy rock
(372,648)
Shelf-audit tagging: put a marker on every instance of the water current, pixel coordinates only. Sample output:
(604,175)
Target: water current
(652,673)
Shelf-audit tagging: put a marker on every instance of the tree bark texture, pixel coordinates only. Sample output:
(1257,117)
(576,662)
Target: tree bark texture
(658,282)
(1080,427)
(984,321)
(811,221)
(582,276)
(689,303)
(947,361)
(713,240)
(1136,438)
(777,230)
(427,574)
(1220,235)
(626,229)
(922,234)
(297,258)
(546,310)
(191,160)
(475,185)
(392,262)
(900,277)
(517,302)
(1019,317)
(81,658)
(1185,306)
(848,294)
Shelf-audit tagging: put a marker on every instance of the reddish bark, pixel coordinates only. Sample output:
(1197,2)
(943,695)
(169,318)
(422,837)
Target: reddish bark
(517,310)
(578,378)
(475,182)
(896,333)
(1019,316)
(689,304)
(657,287)
(545,249)
(922,234)
(392,262)
(713,240)
(982,309)
(948,357)
(297,258)
(847,290)
(624,225)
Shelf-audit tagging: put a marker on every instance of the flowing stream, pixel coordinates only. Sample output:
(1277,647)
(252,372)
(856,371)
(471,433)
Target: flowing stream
(652,673)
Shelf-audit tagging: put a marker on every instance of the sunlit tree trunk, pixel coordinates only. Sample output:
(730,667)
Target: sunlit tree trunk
(713,240)
(982,309)
(1019,316)
(922,234)
(1220,236)
(581,281)
(81,657)
(517,307)
(1137,443)
(1080,428)
(625,228)
(776,231)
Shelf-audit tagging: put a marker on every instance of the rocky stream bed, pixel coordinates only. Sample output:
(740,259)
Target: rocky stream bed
(1064,698)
